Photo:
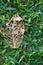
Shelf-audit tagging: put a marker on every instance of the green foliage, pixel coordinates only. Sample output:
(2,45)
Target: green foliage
(31,51)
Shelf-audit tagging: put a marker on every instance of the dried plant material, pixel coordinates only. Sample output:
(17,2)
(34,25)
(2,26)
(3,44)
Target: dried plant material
(16,24)
(17,18)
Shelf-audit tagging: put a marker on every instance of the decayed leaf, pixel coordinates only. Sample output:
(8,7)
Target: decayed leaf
(17,26)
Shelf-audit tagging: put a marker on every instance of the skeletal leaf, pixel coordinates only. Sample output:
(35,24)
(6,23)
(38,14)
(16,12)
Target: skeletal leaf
(16,24)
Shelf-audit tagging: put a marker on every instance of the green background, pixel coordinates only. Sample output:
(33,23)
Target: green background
(31,51)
